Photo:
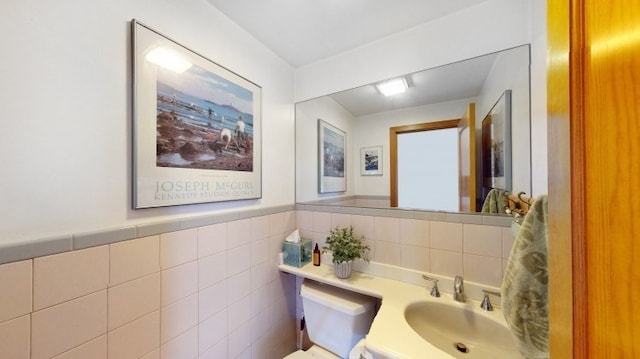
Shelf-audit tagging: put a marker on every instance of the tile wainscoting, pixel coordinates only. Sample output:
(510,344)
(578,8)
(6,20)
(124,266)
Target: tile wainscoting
(209,287)
(207,291)
(448,244)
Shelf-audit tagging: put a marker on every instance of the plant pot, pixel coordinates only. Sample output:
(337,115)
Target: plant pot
(342,269)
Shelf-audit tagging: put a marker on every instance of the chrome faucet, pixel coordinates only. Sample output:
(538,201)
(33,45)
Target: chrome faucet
(458,290)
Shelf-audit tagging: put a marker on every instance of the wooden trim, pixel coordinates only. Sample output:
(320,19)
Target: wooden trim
(578,219)
(594,61)
(467,183)
(393,149)
(393,167)
(560,260)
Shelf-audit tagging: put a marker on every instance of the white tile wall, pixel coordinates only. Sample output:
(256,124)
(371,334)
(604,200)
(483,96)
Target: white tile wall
(477,252)
(135,339)
(212,300)
(184,346)
(62,277)
(239,233)
(340,220)
(445,236)
(219,350)
(179,282)
(133,259)
(14,338)
(16,299)
(132,300)
(212,239)
(212,269)
(212,330)
(208,292)
(386,229)
(387,252)
(57,329)
(94,349)
(178,248)
(321,222)
(414,232)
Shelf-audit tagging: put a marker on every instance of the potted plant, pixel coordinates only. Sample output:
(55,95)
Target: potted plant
(345,247)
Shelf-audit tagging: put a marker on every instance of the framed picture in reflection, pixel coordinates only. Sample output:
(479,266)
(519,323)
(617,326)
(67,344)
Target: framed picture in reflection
(332,147)
(371,161)
(496,146)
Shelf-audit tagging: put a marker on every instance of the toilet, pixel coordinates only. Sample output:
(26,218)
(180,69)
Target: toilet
(336,320)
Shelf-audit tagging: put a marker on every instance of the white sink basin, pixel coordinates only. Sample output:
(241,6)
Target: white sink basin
(461,331)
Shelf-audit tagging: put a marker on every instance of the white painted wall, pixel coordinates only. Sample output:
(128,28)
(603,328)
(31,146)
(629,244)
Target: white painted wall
(65,100)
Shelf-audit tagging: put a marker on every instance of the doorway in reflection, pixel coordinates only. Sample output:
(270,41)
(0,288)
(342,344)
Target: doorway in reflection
(428,170)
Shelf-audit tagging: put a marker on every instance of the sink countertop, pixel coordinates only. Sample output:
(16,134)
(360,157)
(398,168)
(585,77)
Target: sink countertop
(390,335)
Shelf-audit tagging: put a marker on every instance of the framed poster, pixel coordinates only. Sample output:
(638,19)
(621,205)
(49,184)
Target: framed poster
(332,146)
(496,146)
(371,161)
(196,126)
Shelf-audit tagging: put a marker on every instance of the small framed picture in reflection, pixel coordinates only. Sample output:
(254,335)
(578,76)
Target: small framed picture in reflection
(371,161)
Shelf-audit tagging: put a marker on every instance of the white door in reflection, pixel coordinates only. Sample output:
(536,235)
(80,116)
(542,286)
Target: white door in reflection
(428,170)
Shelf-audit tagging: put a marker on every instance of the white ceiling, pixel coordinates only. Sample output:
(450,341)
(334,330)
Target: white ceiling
(305,31)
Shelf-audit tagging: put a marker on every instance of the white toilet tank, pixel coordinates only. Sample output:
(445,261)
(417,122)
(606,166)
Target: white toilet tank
(336,319)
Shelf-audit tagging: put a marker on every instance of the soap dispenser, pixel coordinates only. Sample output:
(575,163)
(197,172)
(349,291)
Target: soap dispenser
(316,256)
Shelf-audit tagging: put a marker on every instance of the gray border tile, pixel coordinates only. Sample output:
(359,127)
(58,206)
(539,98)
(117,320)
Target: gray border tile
(464,218)
(152,229)
(502,221)
(94,239)
(431,216)
(33,249)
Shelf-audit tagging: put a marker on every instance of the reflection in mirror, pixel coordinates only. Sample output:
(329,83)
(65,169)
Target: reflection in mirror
(438,94)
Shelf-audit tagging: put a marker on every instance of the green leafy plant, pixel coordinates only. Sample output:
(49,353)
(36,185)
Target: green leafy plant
(345,246)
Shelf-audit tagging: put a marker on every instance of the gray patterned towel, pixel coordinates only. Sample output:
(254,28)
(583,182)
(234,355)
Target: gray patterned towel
(524,287)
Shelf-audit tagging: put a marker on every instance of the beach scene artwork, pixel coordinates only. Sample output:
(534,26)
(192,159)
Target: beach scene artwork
(203,121)
(196,126)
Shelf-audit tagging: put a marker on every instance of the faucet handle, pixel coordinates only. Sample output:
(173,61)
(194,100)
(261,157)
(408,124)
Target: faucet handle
(435,292)
(486,303)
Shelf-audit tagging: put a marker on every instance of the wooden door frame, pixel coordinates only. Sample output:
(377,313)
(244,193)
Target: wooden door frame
(593,63)
(393,149)
(566,149)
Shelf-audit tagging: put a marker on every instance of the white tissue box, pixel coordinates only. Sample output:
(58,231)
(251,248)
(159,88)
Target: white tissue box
(297,254)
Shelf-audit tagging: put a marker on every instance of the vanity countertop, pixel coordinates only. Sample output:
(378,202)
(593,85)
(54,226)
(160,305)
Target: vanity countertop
(390,335)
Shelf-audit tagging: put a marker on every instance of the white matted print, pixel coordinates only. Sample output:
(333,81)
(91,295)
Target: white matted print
(371,161)
(196,126)
(332,145)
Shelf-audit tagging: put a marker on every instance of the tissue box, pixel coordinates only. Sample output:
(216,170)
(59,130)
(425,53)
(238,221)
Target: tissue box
(297,254)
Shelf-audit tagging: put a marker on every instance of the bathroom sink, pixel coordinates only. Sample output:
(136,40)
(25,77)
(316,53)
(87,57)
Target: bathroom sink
(461,331)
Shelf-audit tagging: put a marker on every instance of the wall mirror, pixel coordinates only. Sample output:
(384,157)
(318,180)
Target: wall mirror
(437,94)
